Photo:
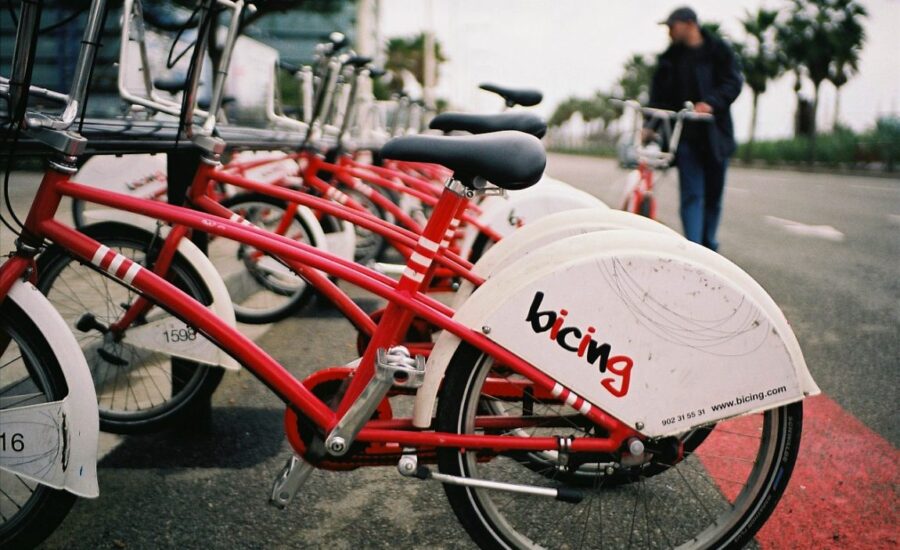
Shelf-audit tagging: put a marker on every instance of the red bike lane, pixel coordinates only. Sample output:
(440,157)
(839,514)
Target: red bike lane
(843,492)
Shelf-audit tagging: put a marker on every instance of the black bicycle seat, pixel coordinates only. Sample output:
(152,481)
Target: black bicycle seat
(172,84)
(511,160)
(358,61)
(483,124)
(515,96)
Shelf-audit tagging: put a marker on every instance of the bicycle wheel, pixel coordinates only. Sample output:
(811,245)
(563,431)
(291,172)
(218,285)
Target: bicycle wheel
(29,375)
(138,390)
(369,245)
(718,496)
(262,289)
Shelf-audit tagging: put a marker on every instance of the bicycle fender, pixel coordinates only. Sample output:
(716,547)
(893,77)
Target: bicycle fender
(342,243)
(61,434)
(553,228)
(152,334)
(659,332)
(504,214)
(315,227)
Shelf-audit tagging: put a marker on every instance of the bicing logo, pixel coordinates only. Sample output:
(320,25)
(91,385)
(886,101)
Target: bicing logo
(583,344)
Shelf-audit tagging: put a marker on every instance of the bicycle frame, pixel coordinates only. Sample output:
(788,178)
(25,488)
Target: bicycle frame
(405,301)
(404,239)
(361,177)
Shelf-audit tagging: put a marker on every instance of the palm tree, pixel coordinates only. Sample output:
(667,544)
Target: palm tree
(824,37)
(805,39)
(759,59)
(848,38)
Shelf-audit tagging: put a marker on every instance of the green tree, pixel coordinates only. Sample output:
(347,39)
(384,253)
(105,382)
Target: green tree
(849,35)
(759,59)
(810,39)
(565,110)
(407,53)
(637,75)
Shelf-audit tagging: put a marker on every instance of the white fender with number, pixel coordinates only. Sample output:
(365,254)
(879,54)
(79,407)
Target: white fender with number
(59,437)
(549,229)
(659,332)
(168,334)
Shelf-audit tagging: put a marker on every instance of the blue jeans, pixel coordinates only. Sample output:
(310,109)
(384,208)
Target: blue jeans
(702,182)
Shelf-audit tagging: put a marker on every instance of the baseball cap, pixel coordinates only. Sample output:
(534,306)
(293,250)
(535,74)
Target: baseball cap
(683,13)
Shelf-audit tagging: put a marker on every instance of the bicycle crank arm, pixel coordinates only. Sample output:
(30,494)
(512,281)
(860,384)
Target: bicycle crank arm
(408,467)
(292,476)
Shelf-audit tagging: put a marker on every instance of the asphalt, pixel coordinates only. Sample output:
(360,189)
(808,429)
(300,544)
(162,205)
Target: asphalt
(207,486)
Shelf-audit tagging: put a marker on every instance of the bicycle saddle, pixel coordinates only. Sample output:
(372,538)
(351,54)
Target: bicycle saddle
(483,124)
(521,96)
(172,84)
(511,160)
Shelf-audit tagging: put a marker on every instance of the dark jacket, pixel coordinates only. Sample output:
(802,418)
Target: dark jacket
(719,81)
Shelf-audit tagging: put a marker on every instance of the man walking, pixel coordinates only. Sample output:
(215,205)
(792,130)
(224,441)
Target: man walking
(701,68)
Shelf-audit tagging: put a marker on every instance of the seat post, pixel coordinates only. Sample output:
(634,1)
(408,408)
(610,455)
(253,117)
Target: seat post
(435,236)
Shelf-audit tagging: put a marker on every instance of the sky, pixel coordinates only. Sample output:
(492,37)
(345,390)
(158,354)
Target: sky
(575,47)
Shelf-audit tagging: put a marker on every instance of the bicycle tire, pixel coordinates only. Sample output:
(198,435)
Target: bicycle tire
(164,390)
(29,368)
(263,298)
(647,206)
(511,520)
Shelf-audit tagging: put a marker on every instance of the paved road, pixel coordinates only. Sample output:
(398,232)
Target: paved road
(838,286)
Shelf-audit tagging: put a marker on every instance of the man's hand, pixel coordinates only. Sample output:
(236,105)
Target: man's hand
(647,135)
(703,108)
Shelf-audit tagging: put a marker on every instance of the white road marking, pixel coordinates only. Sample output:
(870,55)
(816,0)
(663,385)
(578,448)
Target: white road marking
(826,232)
(875,187)
(894,218)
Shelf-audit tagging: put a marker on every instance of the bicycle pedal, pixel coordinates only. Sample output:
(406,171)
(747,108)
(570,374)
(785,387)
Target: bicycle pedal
(288,482)
(397,366)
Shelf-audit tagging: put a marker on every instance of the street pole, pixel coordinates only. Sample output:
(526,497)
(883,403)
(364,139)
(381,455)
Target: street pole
(429,61)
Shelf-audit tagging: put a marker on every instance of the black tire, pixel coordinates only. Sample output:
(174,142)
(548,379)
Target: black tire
(260,296)
(647,208)
(678,505)
(78,213)
(163,390)
(29,512)
(481,245)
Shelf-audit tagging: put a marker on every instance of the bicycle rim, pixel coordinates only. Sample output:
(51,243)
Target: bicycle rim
(718,496)
(262,289)
(137,389)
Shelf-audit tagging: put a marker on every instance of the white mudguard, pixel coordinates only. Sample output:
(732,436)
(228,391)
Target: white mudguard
(659,332)
(626,199)
(146,174)
(167,334)
(504,214)
(54,443)
(549,229)
(279,168)
(342,243)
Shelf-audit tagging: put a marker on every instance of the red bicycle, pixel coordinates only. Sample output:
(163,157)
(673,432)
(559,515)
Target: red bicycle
(651,152)
(529,433)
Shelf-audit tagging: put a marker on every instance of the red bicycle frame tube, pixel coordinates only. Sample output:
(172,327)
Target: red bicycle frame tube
(348,169)
(403,237)
(405,301)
